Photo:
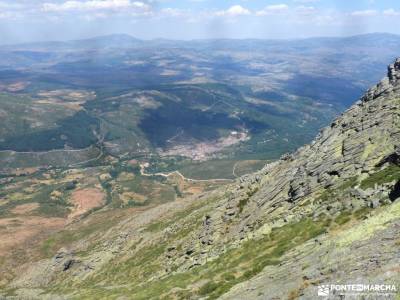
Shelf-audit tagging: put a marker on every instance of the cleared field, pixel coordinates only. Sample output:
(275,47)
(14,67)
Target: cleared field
(221,169)
(57,158)
(248,166)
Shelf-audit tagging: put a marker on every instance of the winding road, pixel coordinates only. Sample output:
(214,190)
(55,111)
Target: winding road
(143,173)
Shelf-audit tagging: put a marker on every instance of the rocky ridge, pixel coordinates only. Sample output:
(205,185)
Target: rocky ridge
(365,137)
(245,237)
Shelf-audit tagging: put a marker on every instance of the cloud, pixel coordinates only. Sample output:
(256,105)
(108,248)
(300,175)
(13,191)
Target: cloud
(305,1)
(364,13)
(391,12)
(305,10)
(273,9)
(174,12)
(96,5)
(234,11)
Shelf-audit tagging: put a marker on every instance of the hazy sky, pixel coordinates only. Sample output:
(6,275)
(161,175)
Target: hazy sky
(32,20)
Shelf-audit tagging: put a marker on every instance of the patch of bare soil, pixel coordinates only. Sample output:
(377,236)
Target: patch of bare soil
(85,200)
(187,187)
(147,102)
(69,95)
(23,171)
(143,99)
(76,106)
(71,99)
(14,87)
(19,240)
(25,208)
(15,232)
(131,196)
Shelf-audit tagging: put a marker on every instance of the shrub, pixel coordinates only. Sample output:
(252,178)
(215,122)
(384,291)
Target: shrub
(208,288)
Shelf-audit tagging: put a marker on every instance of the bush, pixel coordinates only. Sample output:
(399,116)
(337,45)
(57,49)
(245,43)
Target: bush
(229,277)
(208,288)
(386,175)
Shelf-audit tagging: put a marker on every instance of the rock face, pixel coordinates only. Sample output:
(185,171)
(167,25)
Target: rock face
(274,234)
(362,139)
(368,261)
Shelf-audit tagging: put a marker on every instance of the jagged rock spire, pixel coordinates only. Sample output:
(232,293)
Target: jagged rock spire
(388,84)
(394,71)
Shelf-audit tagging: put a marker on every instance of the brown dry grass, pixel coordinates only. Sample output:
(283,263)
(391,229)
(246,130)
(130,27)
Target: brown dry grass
(14,87)
(25,208)
(15,232)
(85,200)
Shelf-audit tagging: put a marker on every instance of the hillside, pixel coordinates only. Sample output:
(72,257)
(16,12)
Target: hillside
(177,105)
(327,213)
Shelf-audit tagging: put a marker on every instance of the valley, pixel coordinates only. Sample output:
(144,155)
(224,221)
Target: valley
(75,103)
(197,169)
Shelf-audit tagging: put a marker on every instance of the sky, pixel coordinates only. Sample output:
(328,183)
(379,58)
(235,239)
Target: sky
(43,20)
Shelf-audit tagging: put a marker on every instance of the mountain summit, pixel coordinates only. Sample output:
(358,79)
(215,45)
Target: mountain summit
(390,84)
(327,214)
(394,72)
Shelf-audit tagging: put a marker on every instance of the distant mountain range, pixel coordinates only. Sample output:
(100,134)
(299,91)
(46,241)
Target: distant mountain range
(128,41)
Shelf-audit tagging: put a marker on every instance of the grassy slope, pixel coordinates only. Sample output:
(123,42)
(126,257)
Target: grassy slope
(133,274)
(21,115)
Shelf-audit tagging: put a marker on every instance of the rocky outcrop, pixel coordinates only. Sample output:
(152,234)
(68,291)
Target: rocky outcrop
(371,260)
(364,138)
(346,169)
(388,85)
